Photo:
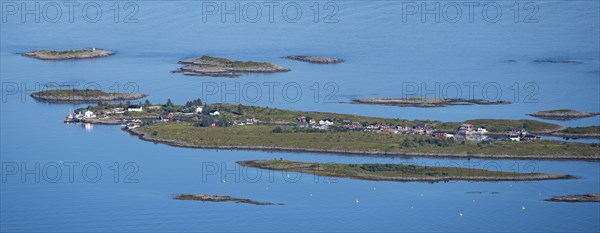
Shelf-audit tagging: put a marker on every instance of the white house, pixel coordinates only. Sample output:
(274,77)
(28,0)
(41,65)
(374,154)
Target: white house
(198,109)
(89,114)
(135,108)
(325,122)
(481,130)
(215,113)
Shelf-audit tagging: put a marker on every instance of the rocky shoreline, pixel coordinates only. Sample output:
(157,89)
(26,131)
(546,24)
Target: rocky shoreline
(219,198)
(592,197)
(563,114)
(67,54)
(223,67)
(426,102)
(82,96)
(315,59)
(136,132)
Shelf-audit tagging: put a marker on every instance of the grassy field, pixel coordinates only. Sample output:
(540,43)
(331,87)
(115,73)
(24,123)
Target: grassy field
(262,136)
(280,115)
(396,172)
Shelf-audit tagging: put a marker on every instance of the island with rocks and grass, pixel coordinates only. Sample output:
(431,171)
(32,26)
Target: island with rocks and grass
(240,127)
(82,96)
(219,198)
(593,197)
(397,172)
(579,132)
(223,67)
(426,102)
(68,54)
(563,114)
(315,59)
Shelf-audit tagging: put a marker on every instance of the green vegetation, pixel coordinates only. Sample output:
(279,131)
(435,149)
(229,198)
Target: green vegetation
(75,92)
(396,172)
(495,125)
(268,137)
(82,96)
(582,130)
(235,64)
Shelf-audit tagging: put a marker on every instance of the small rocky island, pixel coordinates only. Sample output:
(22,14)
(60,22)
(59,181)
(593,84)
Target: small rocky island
(563,114)
(426,102)
(68,54)
(223,67)
(82,96)
(593,197)
(397,172)
(315,59)
(219,198)
(557,61)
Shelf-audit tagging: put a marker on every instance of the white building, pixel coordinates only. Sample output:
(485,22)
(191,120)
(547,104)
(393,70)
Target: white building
(135,108)
(89,114)
(199,109)
(481,130)
(215,113)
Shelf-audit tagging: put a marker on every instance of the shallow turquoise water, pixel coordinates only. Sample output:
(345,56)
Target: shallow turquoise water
(382,54)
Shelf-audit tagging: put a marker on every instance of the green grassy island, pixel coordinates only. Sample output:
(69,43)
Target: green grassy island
(68,54)
(397,172)
(83,96)
(563,114)
(581,132)
(223,67)
(269,137)
(425,102)
(229,126)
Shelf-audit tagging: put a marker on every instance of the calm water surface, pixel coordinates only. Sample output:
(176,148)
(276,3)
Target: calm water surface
(382,55)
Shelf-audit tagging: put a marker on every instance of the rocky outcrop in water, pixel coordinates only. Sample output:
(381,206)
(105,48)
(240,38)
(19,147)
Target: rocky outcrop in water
(425,102)
(67,54)
(220,198)
(223,67)
(563,114)
(593,197)
(315,59)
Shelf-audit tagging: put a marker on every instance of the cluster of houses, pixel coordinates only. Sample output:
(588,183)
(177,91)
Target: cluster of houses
(248,121)
(520,134)
(75,117)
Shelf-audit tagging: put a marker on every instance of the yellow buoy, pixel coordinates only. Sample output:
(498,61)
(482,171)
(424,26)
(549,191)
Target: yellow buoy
(460,214)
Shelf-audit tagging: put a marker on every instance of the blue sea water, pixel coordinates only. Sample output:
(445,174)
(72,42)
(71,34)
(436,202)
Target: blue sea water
(384,57)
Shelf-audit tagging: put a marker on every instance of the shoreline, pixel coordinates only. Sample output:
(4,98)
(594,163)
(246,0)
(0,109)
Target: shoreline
(175,143)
